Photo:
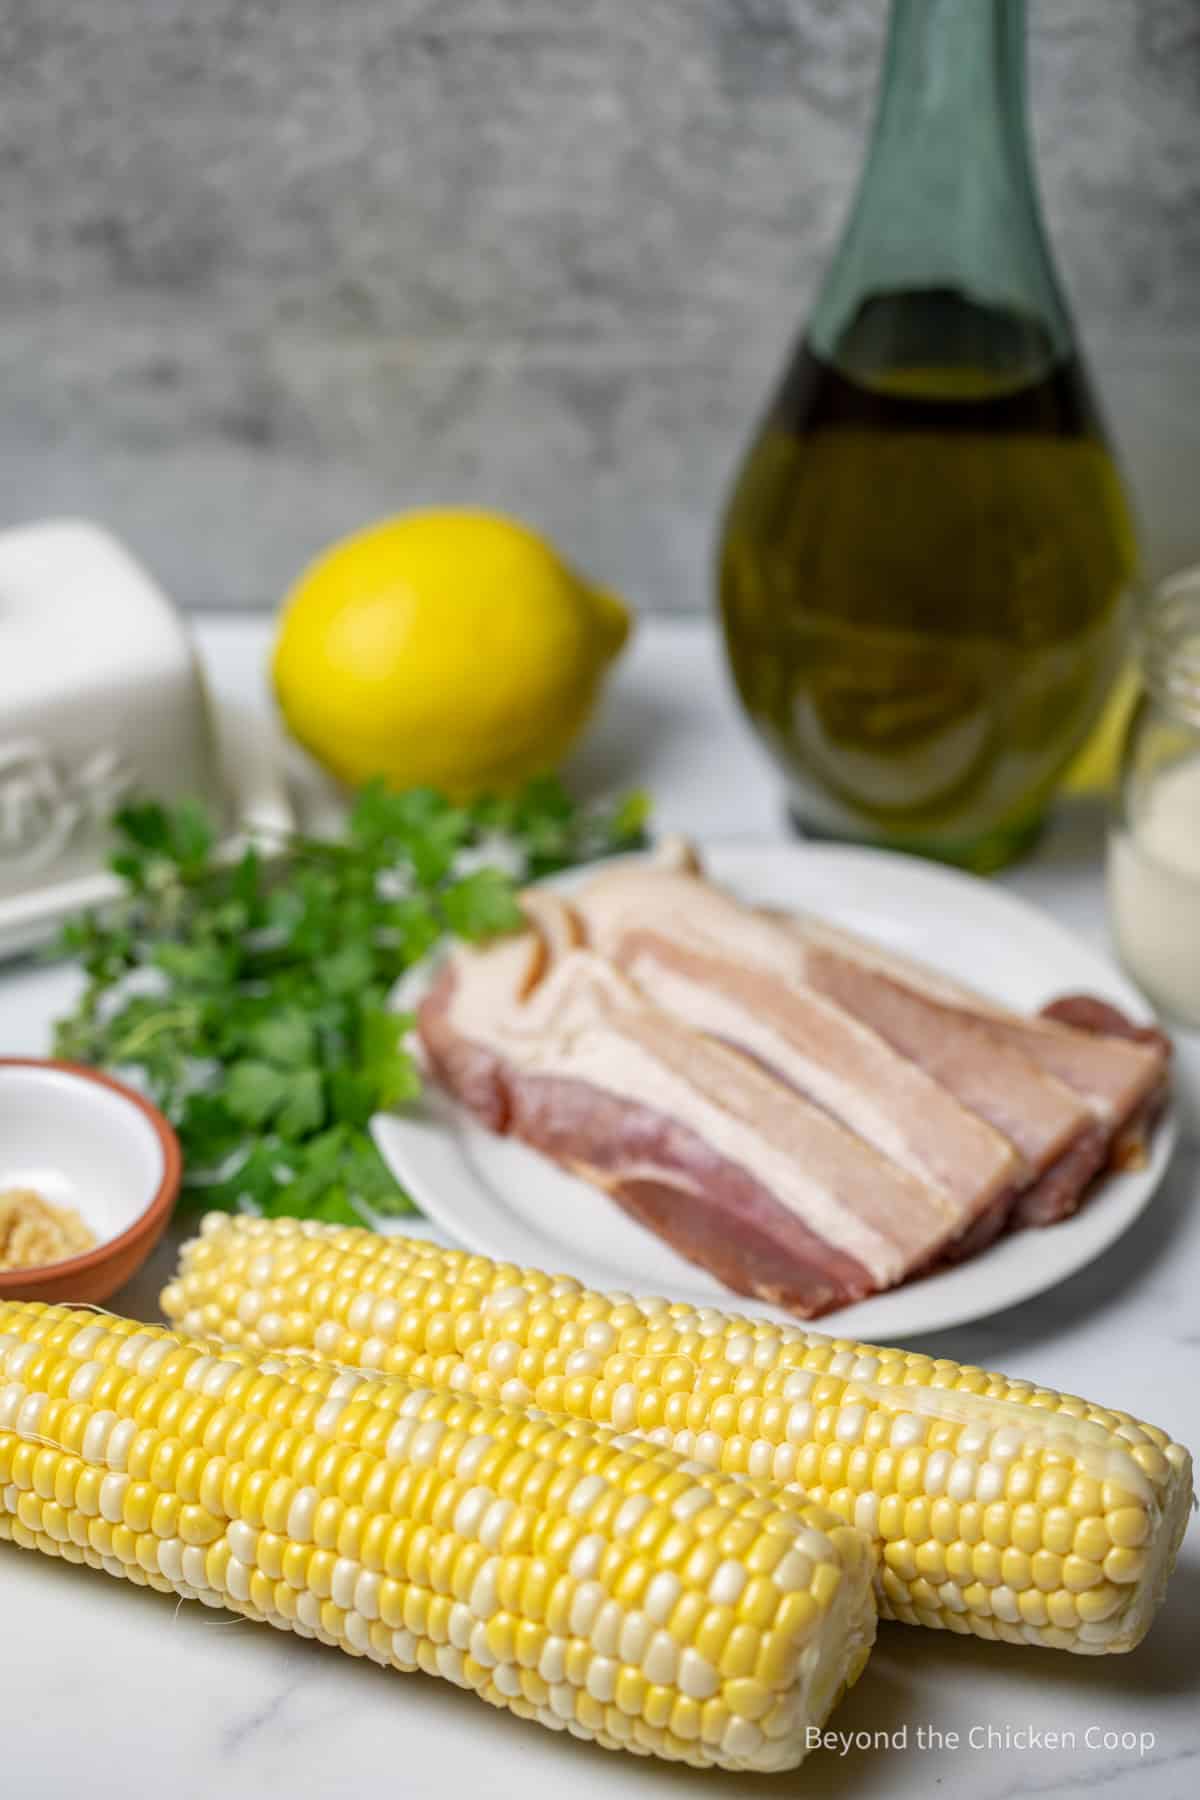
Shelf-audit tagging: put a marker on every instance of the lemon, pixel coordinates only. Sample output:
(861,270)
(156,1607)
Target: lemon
(453,649)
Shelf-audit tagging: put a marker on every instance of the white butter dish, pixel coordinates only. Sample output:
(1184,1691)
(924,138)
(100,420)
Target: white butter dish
(102,700)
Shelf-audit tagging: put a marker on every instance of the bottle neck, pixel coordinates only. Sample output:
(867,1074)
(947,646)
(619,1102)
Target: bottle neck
(946,204)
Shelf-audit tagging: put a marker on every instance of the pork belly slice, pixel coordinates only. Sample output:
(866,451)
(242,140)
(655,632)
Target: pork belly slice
(1058,1193)
(734,1169)
(1117,1075)
(1054,1130)
(843,1067)
(1039,1116)
(709,1210)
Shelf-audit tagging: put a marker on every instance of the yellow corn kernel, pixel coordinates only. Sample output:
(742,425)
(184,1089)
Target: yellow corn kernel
(1078,1573)
(1027,1528)
(740,1654)
(1127,1526)
(1061,1607)
(1092,1540)
(758,1602)
(1124,1565)
(1099,1602)
(196,1526)
(930,1560)
(1058,1529)
(1016,1571)
(138,1507)
(986,1563)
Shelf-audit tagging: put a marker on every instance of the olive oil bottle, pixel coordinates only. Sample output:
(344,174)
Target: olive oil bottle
(927,558)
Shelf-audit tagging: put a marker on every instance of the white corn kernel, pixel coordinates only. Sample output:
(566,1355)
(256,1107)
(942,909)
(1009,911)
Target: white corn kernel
(586,1494)
(112,1497)
(242,1540)
(660,1664)
(697,1677)
(728,1580)
(661,1595)
(345,1575)
(588,1598)
(602,1678)
(473,1452)
(606,1632)
(587,1556)
(491,1526)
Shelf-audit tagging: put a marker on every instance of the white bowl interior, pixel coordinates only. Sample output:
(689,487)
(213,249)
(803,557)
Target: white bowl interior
(78,1144)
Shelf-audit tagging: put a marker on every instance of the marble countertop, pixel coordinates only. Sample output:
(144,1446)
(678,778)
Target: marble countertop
(108,1690)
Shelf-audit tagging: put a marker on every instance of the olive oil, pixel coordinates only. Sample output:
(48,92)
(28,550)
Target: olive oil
(926,561)
(924,578)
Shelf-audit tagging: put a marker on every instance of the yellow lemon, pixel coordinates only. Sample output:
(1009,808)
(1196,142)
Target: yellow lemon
(453,649)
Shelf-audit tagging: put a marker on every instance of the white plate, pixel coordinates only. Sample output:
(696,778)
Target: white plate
(507,1201)
(257,795)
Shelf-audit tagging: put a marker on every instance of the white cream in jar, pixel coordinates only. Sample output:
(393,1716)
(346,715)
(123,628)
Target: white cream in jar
(1154,847)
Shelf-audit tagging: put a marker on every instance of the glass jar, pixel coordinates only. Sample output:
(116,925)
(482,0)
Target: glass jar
(1154,844)
(927,556)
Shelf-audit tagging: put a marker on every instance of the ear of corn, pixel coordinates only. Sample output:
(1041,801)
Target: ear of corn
(576,1577)
(997,1508)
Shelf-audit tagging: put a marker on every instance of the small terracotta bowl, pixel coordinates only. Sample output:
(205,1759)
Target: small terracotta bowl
(80,1139)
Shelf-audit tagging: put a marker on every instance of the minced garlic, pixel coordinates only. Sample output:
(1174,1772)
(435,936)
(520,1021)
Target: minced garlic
(32,1232)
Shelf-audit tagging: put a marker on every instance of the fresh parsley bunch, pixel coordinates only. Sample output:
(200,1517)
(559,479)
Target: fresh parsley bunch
(249,998)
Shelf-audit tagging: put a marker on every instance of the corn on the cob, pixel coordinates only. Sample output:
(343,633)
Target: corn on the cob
(997,1508)
(572,1575)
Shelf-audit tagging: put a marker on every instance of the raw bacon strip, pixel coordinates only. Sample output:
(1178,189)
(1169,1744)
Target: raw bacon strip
(1037,1114)
(1120,1080)
(835,1061)
(1059,1192)
(1113,1075)
(1086,1013)
(710,1211)
(772,1194)
(1119,1094)
(843,1189)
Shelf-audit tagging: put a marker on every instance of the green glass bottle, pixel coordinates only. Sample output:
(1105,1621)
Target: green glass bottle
(927,558)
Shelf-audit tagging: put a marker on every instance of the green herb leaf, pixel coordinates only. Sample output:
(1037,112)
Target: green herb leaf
(352,1097)
(147,826)
(286,1039)
(303,1110)
(190,836)
(255,1091)
(386,1064)
(481,904)
(347,970)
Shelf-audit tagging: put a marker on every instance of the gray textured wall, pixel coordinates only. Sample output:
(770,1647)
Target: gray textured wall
(271,267)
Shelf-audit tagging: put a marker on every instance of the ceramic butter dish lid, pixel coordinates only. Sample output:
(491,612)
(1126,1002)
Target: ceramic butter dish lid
(101,701)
